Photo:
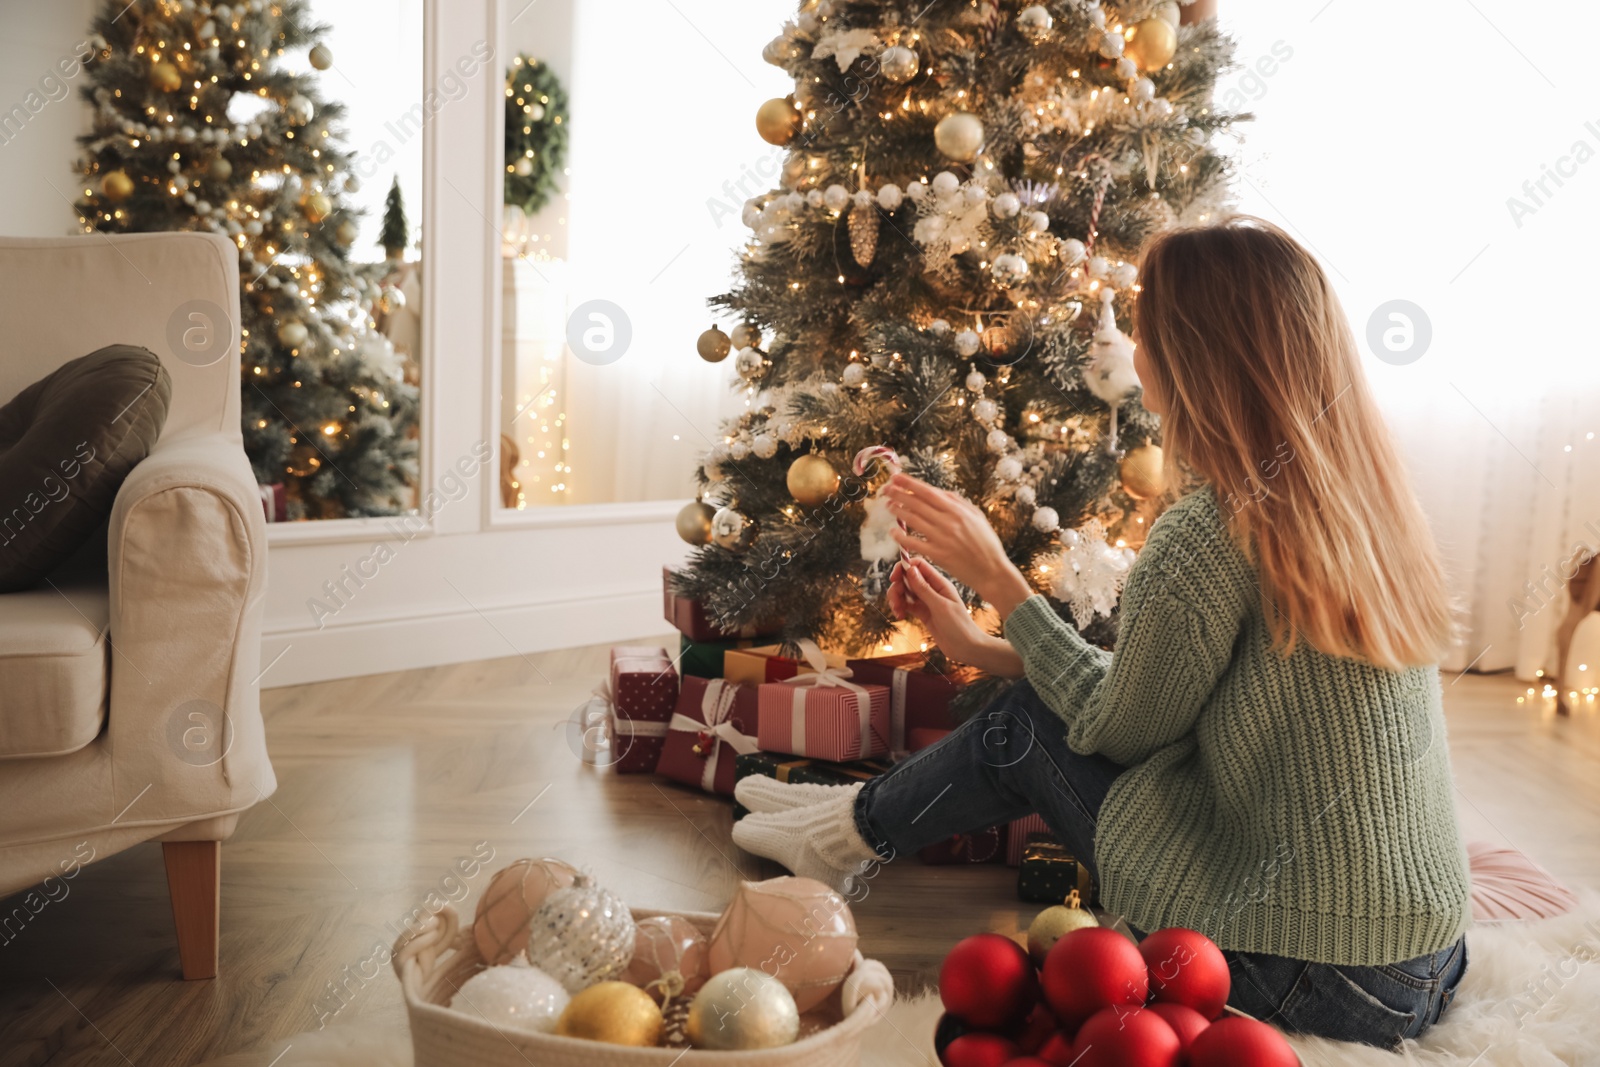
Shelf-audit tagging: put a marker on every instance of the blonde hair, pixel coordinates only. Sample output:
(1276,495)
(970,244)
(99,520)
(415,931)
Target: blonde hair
(1266,401)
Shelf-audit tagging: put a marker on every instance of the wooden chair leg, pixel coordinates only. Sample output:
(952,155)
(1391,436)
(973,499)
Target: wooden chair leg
(194,882)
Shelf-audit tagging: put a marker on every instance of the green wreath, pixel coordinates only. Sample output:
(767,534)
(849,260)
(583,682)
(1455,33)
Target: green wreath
(536,133)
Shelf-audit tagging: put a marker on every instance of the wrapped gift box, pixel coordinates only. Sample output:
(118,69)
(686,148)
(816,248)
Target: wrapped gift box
(690,619)
(919,696)
(754,666)
(707,731)
(985,846)
(1049,872)
(924,737)
(823,716)
(1020,831)
(703,659)
(644,690)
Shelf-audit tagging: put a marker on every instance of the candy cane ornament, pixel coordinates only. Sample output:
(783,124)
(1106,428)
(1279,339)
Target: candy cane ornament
(860,466)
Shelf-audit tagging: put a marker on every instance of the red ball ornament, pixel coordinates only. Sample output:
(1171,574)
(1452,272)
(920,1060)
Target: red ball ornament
(1239,1042)
(1187,1023)
(1187,968)
(1028,1061)
(1033,1030)
(1090,969)
(979,1050)
(1126,1037)
(1057,1050)
(988,981)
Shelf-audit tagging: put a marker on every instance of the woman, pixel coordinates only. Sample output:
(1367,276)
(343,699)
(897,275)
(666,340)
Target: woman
(1263,758)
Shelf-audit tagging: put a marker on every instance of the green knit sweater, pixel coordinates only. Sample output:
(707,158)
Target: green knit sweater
(1297,805)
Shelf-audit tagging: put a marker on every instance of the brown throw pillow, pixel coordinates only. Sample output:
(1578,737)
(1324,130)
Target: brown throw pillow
(66,443)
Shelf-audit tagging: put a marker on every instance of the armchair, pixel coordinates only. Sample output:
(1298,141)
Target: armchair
(129,707)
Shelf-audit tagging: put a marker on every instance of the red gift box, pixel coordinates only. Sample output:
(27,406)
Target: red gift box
(923,737)
(919,698)
(1017,836)
(644,689)
(822,714)
(984,846)
(706,731)
(690,619)
(753,666)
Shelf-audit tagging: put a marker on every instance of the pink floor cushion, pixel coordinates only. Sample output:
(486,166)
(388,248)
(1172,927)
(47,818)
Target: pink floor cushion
(1509,887)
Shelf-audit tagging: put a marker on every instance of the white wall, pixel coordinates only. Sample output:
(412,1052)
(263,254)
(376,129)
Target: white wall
(36,155)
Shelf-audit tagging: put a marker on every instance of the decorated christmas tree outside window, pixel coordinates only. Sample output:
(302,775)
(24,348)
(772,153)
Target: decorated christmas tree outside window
(198,126)
(947,271)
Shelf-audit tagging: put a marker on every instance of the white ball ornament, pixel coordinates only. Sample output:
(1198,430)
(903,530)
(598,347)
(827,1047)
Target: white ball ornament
(1006,206)
(513,997)
(814,198)
(938,327)
(742,1008)
(1071,251)
(738,450)
(916,192)
(997,440)
(173,166)
(202,207)
(1144,90)
(535,112)
(1097,16)
(945,183)
(889,197)
(1162,108)
(967,342)
(1009,269)
(581,935)
(794,201)
(836,198)
(1111,46)
(751,216)
(1071,538)
(854,374)
(1009,469)
(985,410)
(958,136)
(1026,495)
(299,109)
(974,194)
(1099,267)
(863,199)
(749,363)
(1038,222)
(1123,275)
(764,445)
(1035,23)
(976,381)
(1046,520)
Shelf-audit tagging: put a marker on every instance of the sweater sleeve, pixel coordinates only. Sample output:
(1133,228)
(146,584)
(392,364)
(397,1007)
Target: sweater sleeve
(1170,654)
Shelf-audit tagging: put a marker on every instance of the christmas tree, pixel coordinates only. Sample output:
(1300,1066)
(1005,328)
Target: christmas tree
(394,237)
(198,126)
(945,271)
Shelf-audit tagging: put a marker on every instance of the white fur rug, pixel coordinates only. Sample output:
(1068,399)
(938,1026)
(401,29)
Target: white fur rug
(1531,998)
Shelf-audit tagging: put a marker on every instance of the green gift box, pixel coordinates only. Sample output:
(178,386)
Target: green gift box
(703,659)
(1049,872)
(789,769)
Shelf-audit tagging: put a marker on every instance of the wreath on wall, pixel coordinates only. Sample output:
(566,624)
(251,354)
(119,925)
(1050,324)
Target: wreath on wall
(536,133)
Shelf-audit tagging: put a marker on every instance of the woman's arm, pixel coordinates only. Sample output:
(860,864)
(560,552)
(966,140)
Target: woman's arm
(917,590)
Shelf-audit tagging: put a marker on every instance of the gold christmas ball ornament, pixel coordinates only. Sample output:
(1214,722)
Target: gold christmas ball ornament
(165,77)
(745,335)
(694,522)
(316,207)
(958,136)
(293,333)
(1151,43)
(116,186)
(731,530)
(898,63)
(713,345)
(614,1012)
(1052,924)
(220,169)
(347,233)
(321,56)
(1143,472)
(778,121)
(742,1008)
(522,167)
(812,480)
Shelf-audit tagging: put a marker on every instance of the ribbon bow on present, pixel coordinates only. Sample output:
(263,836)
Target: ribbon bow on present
(716,705)
(820,673)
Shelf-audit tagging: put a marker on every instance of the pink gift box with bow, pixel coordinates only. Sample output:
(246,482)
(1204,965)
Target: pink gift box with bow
(821,714)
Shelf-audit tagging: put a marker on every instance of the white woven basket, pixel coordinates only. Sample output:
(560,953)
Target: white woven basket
(433,964)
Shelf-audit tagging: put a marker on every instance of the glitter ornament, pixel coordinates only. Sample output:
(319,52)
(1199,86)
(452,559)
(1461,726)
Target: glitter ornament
(863,225)
(742,1008)
(1052,924)
(515,892)
(614,1012)
(798,927)
(670,958)
(713,345)
(811,480)
(582,934)
(513,997)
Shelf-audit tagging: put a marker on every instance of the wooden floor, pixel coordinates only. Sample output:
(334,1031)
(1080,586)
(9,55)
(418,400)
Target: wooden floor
(385,781)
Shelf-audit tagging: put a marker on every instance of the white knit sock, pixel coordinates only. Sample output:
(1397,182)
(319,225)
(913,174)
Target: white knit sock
(817,841)
(760,793)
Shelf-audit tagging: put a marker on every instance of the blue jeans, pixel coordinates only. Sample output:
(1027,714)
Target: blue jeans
(1012,760)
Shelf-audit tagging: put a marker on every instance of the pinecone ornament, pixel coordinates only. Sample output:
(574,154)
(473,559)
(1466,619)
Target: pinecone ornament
(581,935)
(863,223)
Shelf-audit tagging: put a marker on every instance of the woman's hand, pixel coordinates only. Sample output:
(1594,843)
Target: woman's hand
(918,591)
(952,532)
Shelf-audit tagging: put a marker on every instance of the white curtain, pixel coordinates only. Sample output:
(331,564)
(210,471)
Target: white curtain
(663,154)
(1395,141)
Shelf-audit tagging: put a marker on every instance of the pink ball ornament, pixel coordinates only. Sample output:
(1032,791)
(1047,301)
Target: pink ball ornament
(795,929)
(514,893)
(1239,1042)
(1187,1023)
(1187,968)
(1091,969)
(671,958)
(1126,1037)
(988,981)
(979,1050)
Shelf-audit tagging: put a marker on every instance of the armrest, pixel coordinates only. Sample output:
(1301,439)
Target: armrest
(187,554)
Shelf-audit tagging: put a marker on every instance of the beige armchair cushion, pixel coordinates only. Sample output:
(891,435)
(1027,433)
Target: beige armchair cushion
(52,669)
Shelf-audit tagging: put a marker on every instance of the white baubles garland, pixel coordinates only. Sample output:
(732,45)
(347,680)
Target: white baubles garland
(1110,375)
(1089,573)
(952,217)
(515,996)
(581,935)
